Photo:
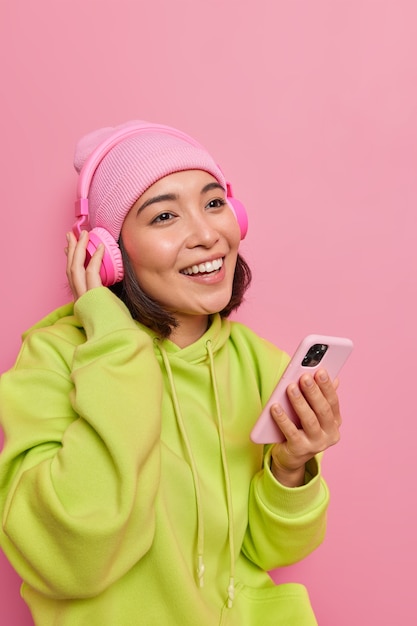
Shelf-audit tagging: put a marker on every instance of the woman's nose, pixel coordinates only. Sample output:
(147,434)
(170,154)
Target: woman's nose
(202,232)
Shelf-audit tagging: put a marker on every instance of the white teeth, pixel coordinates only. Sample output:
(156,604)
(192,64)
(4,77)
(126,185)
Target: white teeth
(209,266)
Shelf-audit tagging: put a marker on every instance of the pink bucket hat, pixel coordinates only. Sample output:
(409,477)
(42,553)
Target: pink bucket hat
(132,165)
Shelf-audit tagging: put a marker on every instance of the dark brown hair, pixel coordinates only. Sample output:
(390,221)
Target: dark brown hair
(150,313)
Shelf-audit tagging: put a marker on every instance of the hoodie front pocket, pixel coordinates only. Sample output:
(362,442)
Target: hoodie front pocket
(281,605)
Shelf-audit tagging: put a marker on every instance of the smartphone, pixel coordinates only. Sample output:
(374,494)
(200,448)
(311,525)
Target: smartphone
(313,353)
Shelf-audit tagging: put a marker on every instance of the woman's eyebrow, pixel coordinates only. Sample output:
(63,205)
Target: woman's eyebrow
(161,198)
(210,186)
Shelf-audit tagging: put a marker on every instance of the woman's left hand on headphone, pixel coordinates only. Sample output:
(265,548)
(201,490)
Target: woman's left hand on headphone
(81,278)
(315,402)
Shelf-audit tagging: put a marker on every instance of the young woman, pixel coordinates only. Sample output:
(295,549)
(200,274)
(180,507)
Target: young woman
(130,491)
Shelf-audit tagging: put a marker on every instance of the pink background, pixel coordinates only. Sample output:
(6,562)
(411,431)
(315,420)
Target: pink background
(310,107)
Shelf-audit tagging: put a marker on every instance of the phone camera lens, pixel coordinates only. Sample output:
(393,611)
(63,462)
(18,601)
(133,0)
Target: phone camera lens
(314,355)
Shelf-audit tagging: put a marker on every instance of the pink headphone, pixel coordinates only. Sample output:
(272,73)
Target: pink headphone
(111,270)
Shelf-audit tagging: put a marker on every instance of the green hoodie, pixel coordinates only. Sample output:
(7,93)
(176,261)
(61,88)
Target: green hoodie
(130,491)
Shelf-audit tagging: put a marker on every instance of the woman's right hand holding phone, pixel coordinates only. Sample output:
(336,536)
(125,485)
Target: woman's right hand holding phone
(315,401)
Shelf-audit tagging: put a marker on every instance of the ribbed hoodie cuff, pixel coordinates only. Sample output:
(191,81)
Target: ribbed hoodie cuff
(292,501)
(101,312)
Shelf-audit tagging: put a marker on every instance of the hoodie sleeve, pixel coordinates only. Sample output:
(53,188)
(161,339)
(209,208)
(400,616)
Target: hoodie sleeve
(81,442)
(285,524)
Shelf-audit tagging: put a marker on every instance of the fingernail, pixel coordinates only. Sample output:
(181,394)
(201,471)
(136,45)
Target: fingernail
(294,390)
(323,376)
(277,409)
(308,381)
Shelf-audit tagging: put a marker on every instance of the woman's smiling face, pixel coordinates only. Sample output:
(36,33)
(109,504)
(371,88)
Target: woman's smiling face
(182,240)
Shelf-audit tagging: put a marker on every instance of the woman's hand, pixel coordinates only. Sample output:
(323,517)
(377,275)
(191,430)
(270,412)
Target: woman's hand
(316,403)
(81,278)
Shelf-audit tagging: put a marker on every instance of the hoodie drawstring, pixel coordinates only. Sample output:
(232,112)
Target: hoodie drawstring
(193,466)
(226,474)
(196,482)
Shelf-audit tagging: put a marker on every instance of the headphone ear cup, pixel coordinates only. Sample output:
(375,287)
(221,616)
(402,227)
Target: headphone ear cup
(111,270)
(240,213)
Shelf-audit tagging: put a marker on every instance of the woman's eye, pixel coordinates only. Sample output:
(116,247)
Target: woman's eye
(215,204)
(163,217)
